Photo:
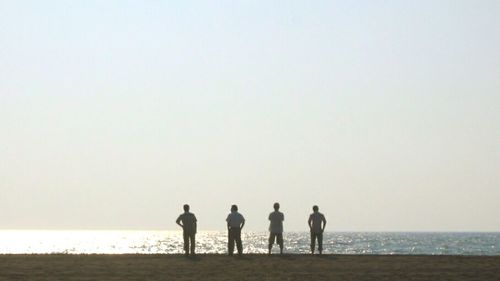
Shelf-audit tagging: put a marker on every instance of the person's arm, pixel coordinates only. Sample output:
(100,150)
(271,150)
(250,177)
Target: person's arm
(178,221)
(195,223)
(309,222)
(227,220)
(242,223)
(324,224)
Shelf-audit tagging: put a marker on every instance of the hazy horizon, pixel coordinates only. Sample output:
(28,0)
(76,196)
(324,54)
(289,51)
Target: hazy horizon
(385,114)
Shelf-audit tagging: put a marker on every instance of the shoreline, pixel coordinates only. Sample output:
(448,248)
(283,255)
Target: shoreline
(247,267)
(235,255)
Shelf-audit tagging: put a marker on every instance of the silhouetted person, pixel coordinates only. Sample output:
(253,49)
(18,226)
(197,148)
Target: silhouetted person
(235,222)
(276,228)
(317,223)
(188,229)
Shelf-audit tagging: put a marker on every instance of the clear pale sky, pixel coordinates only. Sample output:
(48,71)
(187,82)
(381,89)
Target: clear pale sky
(386,114)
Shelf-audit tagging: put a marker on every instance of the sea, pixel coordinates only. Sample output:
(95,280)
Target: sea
(208,242)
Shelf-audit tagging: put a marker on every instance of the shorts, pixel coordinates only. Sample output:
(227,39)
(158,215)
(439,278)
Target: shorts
(277,236)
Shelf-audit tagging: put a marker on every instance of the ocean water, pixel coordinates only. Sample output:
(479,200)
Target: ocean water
(170,242)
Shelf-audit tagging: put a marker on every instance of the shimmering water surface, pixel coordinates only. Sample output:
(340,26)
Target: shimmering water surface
(154,242)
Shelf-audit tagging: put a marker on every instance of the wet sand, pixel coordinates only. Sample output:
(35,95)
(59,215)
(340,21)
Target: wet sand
(248,267)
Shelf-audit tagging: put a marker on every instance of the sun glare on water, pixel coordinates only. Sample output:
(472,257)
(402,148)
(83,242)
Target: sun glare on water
(86,242)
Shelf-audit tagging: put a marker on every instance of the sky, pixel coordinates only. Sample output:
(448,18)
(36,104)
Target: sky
(385,114)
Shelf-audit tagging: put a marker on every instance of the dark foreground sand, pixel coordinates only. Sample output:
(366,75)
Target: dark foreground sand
(248,267)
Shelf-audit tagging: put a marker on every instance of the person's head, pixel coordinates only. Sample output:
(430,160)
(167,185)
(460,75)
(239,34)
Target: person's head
(315,208)
(234,208)
(276,206)
(186,208)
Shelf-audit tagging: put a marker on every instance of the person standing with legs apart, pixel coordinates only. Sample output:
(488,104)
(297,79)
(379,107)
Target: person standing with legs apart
(276,219)
(317,223)
(235,222)
(188,229)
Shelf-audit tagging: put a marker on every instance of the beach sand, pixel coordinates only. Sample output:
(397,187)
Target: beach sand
(248,267)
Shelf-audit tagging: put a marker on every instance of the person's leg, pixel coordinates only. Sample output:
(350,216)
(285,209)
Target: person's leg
(280,241)
(230,242)
(239,245)
(271,241)
(186,242)
(313,242)
(193,244)
(320,243)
